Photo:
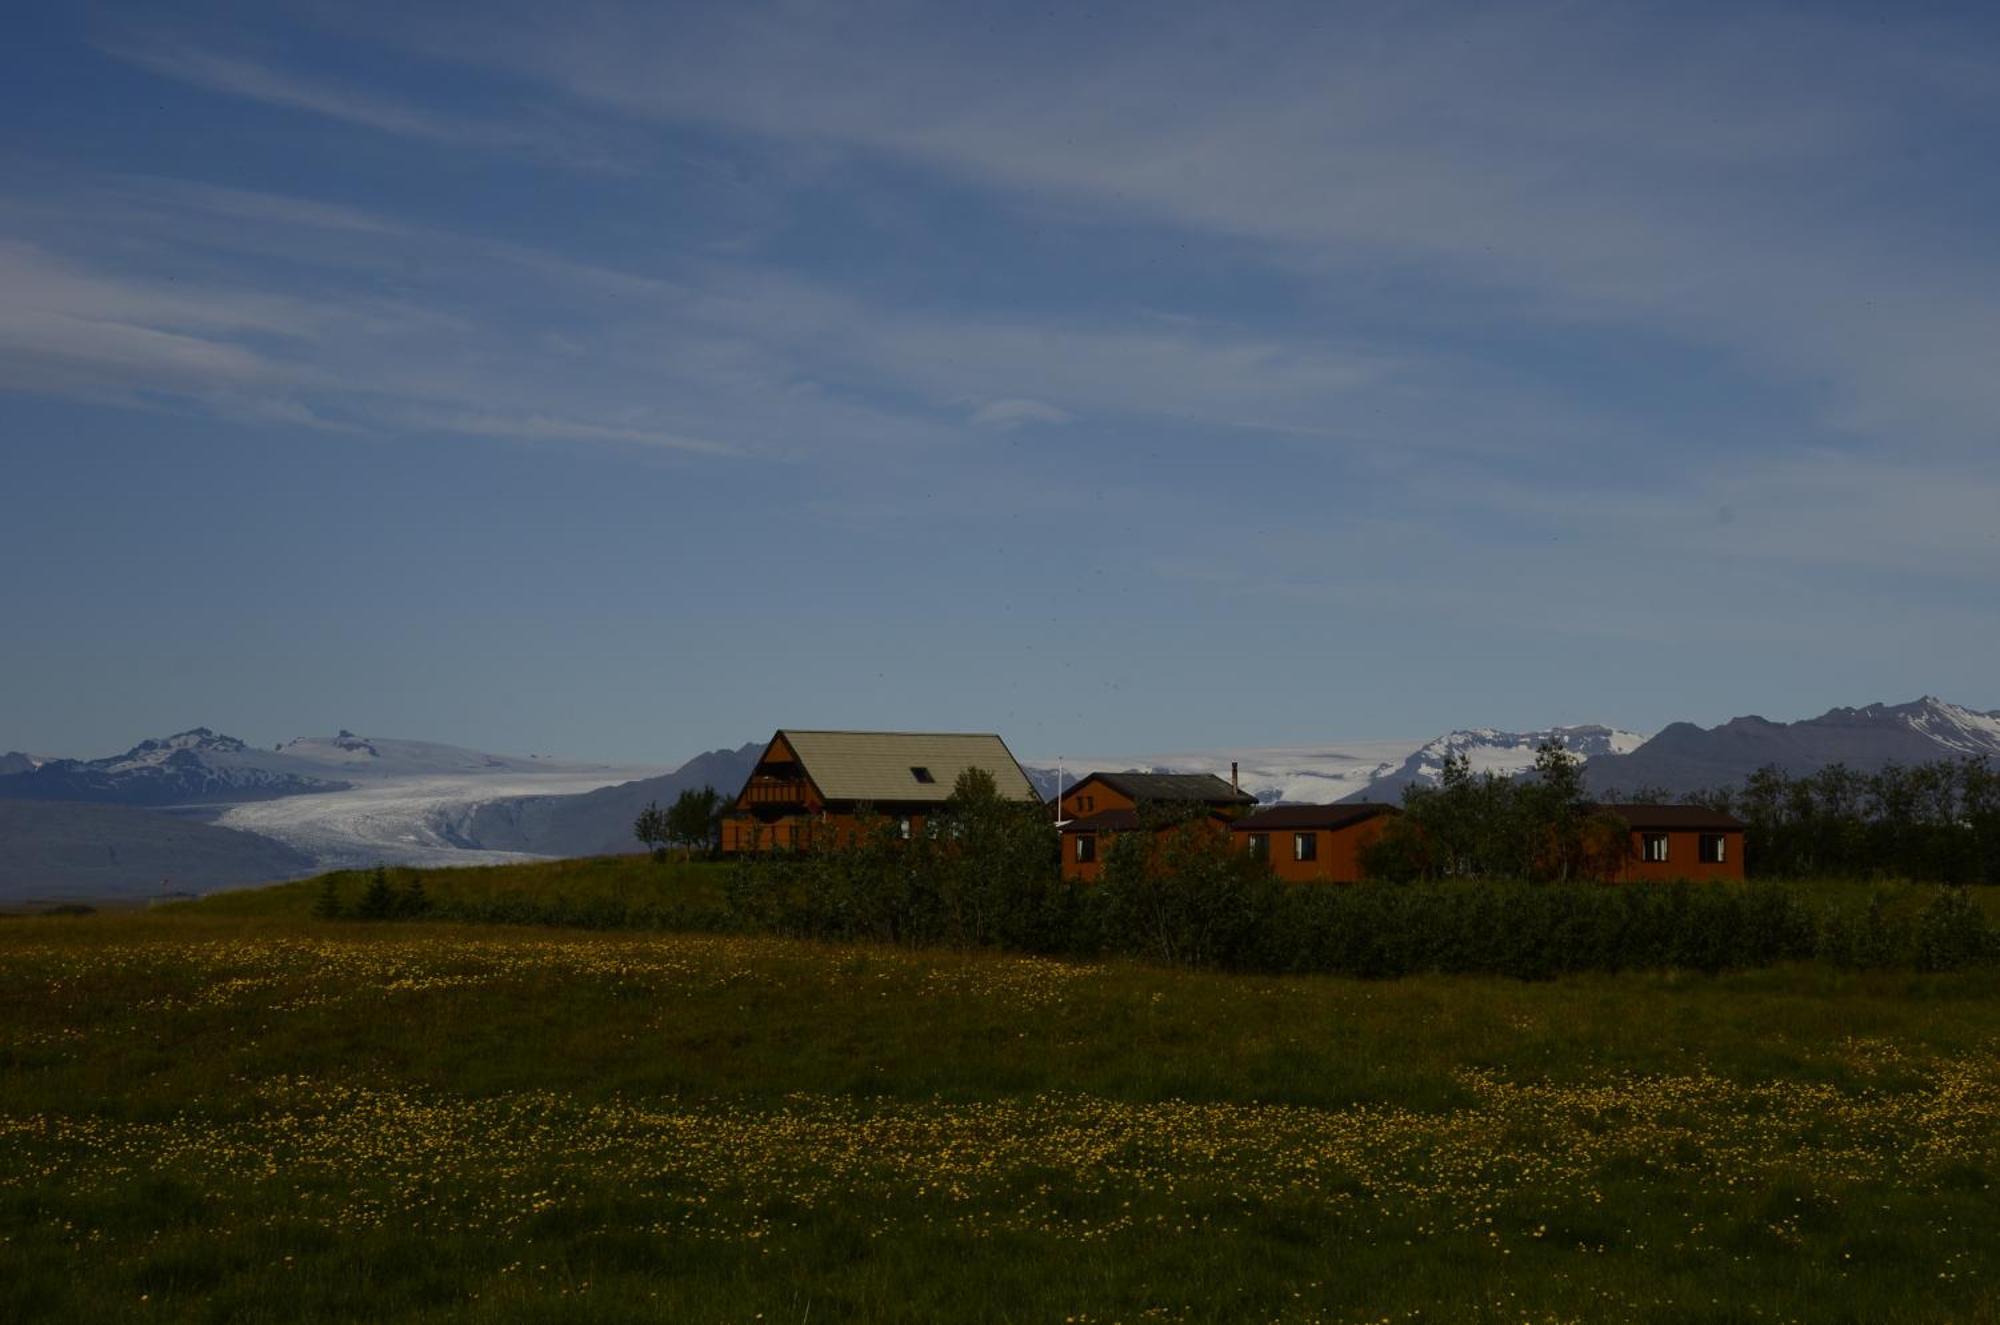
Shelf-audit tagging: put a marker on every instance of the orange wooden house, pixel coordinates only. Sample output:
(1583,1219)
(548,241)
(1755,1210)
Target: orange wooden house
(1103,805)
(811,788)
(1313,843)
(1679,842)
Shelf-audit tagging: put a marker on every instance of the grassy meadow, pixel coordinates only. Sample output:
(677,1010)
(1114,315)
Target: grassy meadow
(235,1112)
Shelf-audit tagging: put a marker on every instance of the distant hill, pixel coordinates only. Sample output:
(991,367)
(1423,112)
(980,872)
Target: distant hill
(1685,757)
(598,822)
(56,851)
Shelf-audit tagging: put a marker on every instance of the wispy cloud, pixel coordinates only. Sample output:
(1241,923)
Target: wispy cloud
(1717,182)
(542,428)
(541,132)
(236,76)
(1015,413)
(717,358)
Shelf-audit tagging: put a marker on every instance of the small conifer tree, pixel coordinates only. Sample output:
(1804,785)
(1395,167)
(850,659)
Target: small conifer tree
(413,900)
(327,905)
(379,901)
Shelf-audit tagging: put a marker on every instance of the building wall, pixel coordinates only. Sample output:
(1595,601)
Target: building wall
(1099,797)
(1683,857)
(1084,871)
(1088,871)
(1339,851)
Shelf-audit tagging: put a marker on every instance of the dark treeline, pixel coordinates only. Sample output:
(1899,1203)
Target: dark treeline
(1932,823)
(1937,822)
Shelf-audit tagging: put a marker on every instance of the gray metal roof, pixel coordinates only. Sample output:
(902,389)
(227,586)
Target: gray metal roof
(879,767)
(1203,788)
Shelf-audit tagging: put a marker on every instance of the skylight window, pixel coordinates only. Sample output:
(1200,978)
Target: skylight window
(921,774)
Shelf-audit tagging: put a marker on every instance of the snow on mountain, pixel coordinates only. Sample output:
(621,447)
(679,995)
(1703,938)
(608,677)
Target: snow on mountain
(1350,770)
(194,767)
(340,800)
(1685,757)
(349,756)
(1954,727)
(415,819)
(406,802)
(1506,753)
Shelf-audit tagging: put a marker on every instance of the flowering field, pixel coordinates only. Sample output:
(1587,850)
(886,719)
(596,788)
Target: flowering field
(244,1119)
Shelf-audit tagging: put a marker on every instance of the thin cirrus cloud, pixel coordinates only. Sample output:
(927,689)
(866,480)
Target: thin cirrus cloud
(1721,182)
(543,134)
(1016,413)
(252,299)
(198,66)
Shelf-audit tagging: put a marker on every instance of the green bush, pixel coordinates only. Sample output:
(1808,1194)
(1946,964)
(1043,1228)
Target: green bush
(1952,934)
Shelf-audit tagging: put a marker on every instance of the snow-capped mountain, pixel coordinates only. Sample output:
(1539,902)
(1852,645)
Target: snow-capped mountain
(1961,730)
(1505,753)
(1352,770)
(1684,757)
(194,767)
(17,761)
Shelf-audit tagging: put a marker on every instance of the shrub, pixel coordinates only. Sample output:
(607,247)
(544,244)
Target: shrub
(1952,933)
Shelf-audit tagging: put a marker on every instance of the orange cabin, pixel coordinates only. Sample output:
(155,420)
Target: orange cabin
(1313,843)
(1679,842)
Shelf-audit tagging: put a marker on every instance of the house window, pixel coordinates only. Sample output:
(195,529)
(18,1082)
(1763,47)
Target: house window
(1086,848)
(1305,846)
(921,774)
(1714,848)
(1260,846)
(1653,847)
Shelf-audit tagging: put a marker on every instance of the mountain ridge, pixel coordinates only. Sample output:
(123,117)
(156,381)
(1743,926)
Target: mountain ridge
(1685,757)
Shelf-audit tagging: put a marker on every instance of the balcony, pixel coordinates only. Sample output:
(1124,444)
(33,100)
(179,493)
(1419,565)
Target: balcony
(770,792)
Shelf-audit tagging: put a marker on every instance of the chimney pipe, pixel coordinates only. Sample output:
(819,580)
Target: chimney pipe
(1232,776)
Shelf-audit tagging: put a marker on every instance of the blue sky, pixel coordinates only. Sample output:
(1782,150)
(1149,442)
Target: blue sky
(622,381)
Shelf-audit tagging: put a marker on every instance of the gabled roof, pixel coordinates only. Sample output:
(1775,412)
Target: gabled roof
(1281,817)
(880,767)
(1666,818)
(1203,788)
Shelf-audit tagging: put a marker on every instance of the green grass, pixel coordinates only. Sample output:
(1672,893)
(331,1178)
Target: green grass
(230,1112)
